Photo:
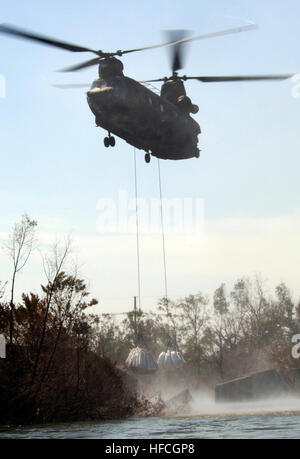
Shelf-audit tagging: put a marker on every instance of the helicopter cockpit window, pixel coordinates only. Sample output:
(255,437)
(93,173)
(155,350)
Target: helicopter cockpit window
(98,84)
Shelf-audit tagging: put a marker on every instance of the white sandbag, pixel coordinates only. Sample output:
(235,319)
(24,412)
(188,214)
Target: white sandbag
(177,359)
(141,361)
(160,360)
(168,363)
(165,361)
(170,360)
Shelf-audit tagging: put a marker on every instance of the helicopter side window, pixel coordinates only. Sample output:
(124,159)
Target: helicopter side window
(119,89)
(150,100)
(162,108)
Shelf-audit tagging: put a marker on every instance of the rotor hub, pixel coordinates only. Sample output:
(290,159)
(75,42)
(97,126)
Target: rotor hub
(110,66)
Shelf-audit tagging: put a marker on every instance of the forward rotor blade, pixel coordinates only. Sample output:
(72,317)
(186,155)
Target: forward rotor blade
(72,86)
(81,66)
(27,35)
(222,33)
(224,79)
(199,37)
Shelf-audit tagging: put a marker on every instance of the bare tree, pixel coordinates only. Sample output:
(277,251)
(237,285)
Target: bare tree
(19,247)
(53,267)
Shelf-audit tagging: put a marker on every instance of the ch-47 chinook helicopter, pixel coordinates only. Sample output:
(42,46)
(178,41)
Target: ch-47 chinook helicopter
(160,125)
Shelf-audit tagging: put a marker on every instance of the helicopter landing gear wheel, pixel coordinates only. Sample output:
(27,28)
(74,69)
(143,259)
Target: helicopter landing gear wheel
(147,158)
(109,141)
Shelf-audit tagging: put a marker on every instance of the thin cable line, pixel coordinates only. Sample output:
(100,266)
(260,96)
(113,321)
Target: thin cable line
(137,231)
(162,229)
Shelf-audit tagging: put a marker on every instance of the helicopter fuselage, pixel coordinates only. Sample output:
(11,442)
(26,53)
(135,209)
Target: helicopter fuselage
(145,120)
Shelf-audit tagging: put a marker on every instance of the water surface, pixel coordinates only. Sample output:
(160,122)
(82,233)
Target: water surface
(268,419)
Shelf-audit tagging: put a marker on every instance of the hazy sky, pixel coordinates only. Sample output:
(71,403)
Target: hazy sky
(54,165)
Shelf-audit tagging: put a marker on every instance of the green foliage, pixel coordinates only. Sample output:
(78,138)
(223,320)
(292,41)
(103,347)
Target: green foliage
(221,305)
(71,380)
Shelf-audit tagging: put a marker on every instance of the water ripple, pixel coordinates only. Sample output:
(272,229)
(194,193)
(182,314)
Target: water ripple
(254,426)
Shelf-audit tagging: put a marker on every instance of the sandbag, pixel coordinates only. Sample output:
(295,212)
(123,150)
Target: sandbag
(170,360)
(141,361)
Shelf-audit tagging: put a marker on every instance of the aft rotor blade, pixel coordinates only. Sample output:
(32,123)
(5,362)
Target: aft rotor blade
(154,81)
(224,79)
(177,51)
(27,35)
(72,86)
(199,37)
(81,66)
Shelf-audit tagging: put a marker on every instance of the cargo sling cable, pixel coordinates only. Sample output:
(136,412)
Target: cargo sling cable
(162,230)
(170,344)
(137,231)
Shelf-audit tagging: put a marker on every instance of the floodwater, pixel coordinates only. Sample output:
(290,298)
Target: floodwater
(269,419)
